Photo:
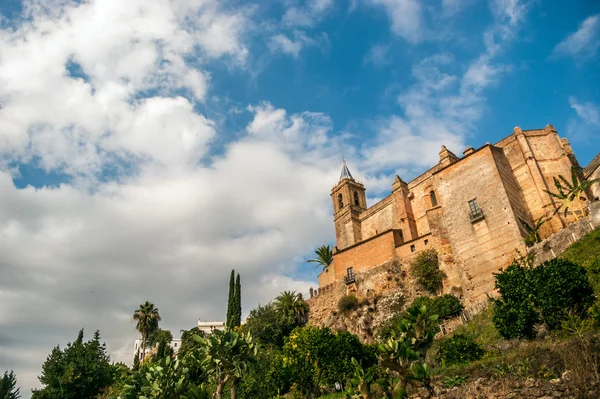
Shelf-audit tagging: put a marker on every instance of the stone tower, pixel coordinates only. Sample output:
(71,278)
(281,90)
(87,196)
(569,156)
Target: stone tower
(349,201)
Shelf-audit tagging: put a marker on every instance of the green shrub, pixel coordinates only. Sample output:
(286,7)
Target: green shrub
(459,349)
(425,269)
(347,303)
(454,381)
(446,306)
(547,294)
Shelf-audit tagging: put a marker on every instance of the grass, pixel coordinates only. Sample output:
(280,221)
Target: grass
(585,250)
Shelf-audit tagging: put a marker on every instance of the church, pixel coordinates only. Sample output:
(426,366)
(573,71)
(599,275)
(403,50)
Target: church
(471,209)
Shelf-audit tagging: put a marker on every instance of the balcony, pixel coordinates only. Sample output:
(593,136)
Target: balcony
(476,215)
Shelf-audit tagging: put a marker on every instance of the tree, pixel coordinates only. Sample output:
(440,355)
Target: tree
(234,303)
(230,300)
(8,386)
(80,371)
(324,256)
(425,269)
(267,326)
(290,305)
(147,318)
(225,356)
(544,294)
(238,303)
(315,356)
(569,192)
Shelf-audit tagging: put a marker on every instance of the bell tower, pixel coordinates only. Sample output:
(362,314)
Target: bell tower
(349,201)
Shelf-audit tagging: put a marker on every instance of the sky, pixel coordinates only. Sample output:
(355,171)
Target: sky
(148,147)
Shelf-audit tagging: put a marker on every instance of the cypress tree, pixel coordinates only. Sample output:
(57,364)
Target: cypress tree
(238,303)
(229,322)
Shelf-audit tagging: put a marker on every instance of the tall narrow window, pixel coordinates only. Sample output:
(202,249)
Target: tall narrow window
(340,201)
(356,202)
(433,198)
(473,205)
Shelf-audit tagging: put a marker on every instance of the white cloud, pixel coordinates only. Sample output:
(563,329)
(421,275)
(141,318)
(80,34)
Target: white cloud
(282,43)
(307,16)
(584,43)
(586,127)
(406,17)
(378,55)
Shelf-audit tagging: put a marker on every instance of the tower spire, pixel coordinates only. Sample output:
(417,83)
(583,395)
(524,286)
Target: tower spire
(345,171)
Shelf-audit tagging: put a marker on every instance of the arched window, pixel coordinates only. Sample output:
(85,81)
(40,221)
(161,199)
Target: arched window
(340,201)
(433,198)
(356,202)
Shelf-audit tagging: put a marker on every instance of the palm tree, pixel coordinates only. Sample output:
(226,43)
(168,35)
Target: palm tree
(291,306)
(147,318)
(533,232)
(569,193)
(324,256)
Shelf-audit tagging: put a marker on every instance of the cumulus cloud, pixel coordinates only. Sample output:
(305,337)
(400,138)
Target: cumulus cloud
(582,44)
(378,55)
(586,126)
(308,15)
(299,41)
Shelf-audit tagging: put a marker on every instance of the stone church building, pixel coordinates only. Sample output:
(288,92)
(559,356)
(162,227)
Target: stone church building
(468,208)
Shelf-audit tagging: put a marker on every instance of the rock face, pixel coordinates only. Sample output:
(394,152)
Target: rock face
(502,389)
(381,292)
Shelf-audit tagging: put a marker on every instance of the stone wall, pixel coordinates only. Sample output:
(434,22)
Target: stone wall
(556,244)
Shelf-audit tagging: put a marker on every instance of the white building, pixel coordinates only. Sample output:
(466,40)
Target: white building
(207,326)
(204,326)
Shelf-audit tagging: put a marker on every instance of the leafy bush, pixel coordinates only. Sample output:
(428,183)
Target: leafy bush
(347,303)
(446,306)
(547,294)
(459,349)
(425,269)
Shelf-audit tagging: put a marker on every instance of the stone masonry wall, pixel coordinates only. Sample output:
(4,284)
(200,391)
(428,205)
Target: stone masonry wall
(556,244)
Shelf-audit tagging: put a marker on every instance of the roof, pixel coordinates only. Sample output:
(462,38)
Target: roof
(345,171)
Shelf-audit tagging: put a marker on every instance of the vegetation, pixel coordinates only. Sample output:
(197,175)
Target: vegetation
(533,232)
(460,348)
(147,318)
(544,294)
(347,303)
(425,269)
(269,326)
(291,306)
(444,306)
(80,371)
(324,256)
(8,386)
(226,356)
(234,303)
(569,193)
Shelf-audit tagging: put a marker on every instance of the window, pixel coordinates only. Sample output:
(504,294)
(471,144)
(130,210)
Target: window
(426,242)
(433,198)
(356,199)
(412,248)
(475,210)
(340,201)
(350,276)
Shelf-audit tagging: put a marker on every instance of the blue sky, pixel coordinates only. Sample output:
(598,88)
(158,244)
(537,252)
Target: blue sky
(149,147)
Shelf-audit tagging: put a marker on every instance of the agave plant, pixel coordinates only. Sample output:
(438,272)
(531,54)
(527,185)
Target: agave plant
(226,356)
(569,192)
(533,232)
